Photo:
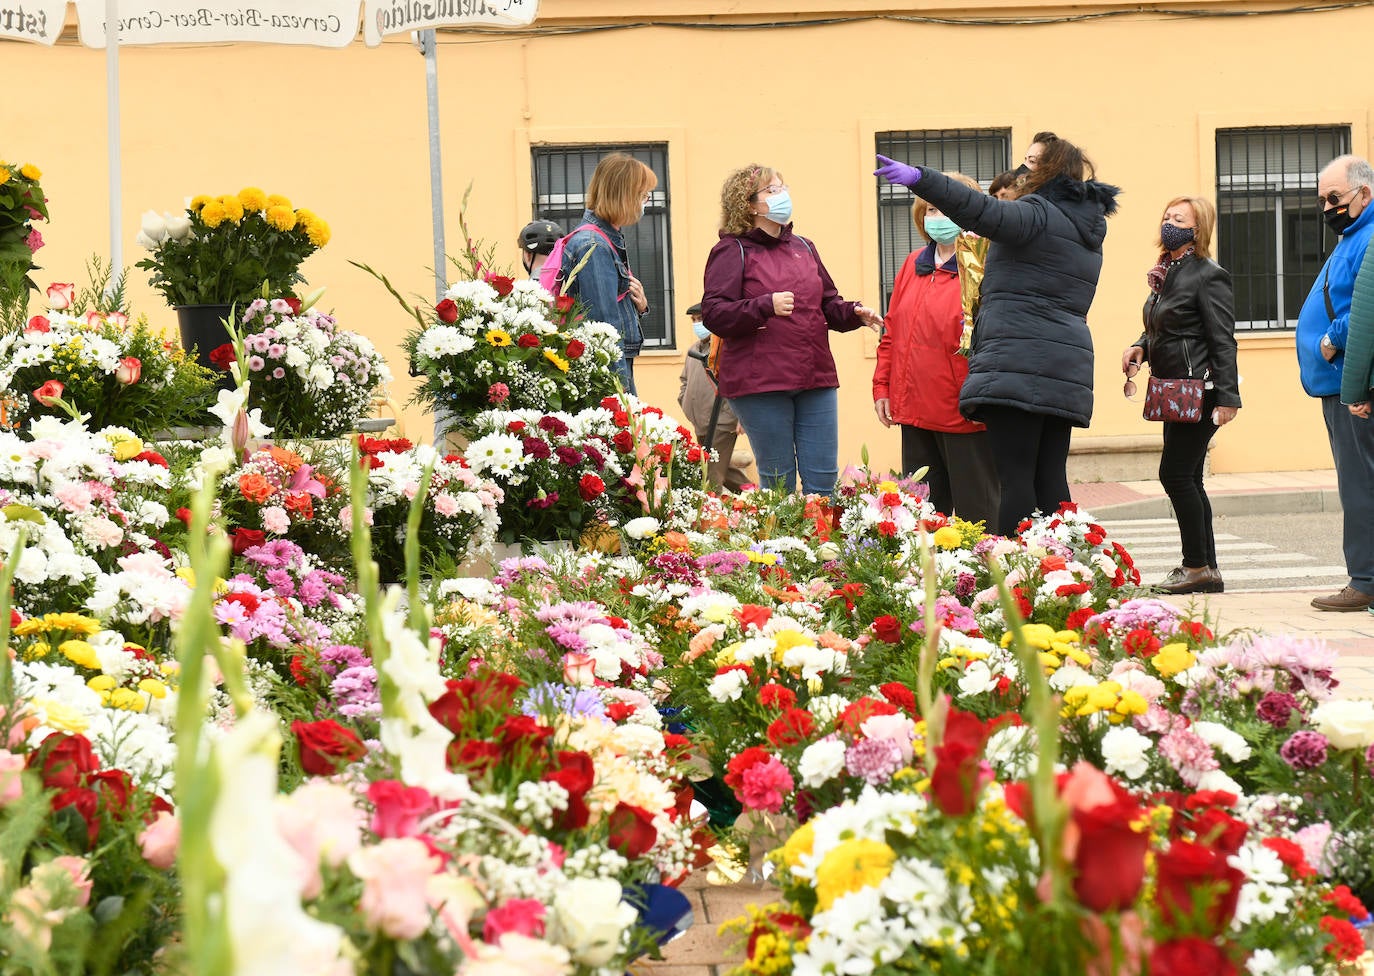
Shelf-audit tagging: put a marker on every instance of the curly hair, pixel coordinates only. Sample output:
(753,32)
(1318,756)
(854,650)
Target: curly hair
(737,196)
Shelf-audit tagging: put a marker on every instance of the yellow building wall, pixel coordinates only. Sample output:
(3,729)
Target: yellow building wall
(344,133)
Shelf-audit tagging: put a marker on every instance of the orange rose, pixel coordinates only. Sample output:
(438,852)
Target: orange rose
(255,488)
(299,503)
(289,460)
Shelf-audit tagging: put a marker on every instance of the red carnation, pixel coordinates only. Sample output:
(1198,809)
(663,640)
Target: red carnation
(793,726)
(447,310)
(326,746)
(1187,872)
(1190,956)
(753,615)
(900,695)
(773,695)
(1079,617)
(858,712)
(740,763)
(501,283)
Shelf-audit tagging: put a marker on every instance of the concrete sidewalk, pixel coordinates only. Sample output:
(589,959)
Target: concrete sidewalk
(1261,493)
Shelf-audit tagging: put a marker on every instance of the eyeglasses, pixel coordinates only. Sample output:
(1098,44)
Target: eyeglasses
(771,190)
(1333,199)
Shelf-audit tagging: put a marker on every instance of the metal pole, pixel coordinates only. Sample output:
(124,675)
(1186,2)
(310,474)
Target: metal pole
(112,126)
(436,164)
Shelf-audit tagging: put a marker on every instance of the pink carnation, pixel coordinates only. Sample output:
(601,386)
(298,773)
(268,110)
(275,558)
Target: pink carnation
(1189,754)
(522,915)
(765,785)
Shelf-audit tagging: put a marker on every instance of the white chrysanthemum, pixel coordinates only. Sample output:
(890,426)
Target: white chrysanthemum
(499,453)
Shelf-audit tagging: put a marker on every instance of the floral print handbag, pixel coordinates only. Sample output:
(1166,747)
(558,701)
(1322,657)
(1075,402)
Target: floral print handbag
(1174,401)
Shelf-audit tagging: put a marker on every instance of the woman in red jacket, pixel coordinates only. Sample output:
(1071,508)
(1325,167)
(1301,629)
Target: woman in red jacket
(920,371)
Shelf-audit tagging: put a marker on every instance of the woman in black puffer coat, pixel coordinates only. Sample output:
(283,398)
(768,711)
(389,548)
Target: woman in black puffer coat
(1031,373)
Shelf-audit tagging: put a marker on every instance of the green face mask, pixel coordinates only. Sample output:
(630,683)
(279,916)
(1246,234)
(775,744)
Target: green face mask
(942,230)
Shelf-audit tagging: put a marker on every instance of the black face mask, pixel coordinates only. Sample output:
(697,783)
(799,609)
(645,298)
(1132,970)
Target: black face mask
(1173,236)
(1338,219)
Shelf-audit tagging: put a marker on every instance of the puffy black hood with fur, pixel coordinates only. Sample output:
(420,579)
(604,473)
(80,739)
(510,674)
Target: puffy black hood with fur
(1031,346)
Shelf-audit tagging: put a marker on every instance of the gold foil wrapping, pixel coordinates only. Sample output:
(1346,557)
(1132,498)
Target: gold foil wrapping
(970,251)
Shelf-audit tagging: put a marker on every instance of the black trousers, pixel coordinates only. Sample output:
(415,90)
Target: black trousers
(1180,473)
(1031,451)
(962,474)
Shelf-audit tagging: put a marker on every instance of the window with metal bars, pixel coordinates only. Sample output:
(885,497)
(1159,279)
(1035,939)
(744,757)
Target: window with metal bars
(979,153)
(561,175)
(1270,234)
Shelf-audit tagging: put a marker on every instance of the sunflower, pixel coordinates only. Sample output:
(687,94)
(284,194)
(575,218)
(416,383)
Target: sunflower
(498,338)
(556,359)
(281,217)
(252,198)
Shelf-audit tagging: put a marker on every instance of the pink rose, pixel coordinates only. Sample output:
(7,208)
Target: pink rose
(76,867)
(395,874)
(117,319)
(397,808)
(11,785)
(49,393)
(322,823)
(129,371)
(61,295)
(39,323)
(160,839)
(93,319)
(579,669)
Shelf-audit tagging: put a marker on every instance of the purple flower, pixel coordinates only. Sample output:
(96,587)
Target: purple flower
(1277,708)
(722,563)
(355,691)
(873,760)
(314,588)
(340,657)
(546,698)
(281,581)
(565,637)
(1304,750)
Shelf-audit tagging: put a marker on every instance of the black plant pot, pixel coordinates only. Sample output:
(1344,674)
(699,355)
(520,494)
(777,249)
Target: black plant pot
(202,332)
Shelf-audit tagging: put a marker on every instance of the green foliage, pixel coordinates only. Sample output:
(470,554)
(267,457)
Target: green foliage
(21,204)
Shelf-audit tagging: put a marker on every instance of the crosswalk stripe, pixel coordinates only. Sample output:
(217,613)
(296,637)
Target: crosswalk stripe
(1221,547)
(1229,574)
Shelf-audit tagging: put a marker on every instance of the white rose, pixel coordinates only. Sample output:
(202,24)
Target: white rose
(1347,724)
(178,226)
(589,917)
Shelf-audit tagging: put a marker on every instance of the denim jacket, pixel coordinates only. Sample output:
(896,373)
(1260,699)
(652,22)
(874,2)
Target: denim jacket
(603,284)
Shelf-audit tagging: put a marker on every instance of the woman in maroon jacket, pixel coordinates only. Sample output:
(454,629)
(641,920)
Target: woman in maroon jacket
(919,374)
(770,299)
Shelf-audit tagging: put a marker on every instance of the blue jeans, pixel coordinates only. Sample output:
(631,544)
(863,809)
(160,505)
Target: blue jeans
(791,432)
(1352,447)
(625,369)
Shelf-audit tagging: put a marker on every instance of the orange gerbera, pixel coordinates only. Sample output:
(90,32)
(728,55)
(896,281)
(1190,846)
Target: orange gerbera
(255,487)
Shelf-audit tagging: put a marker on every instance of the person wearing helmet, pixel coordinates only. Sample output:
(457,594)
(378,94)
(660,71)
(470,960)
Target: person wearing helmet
(537,239)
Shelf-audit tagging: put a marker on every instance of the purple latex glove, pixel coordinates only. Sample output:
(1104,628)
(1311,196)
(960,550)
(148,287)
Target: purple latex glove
(895,172)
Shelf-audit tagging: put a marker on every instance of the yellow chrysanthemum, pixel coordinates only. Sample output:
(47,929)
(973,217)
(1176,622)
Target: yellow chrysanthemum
(785,640)
(763,558)
(101,682)
(1173,658)
(799,844)
(948,537)
(233,210)
(212,213)
(318,232)
(726,655)
(153,687)
(30,172)
(1037,635)
(128,700)
(34,625)
(281,218)
(4,175)
(1132,703)
(80,653)
(883,487)
(498,338)
(277,200)
(557,360)
(252,198)
(852,866)
(72,623)
(198,203)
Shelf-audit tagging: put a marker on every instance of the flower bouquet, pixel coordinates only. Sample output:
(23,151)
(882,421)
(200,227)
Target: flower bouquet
(310,378)
(21,204)
(276,493)
(115,372)
(226,250)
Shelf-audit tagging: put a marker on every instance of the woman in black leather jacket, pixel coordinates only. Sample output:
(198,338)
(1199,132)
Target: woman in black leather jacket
(1190,332)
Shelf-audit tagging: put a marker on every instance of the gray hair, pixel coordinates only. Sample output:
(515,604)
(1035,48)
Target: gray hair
(1358,172)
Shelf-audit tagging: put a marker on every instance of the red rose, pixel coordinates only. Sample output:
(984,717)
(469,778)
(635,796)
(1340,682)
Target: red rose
(575,773)
(293,303)
(517,728)
(1109,862)
(1218,829)
(632,830)
(129,371)
(39,323)
(795,725)
(888,629)
(590,487)
(1195,883)
(501,283)
(245,539)
(63,760)
(86,803)
(447,311)
(576,348)
(528,341)
(396,808)
(49,393)
(184,516)
(623,441)
(773,695)
(960,772)
(326,746)
(619,711)
(223,356)
(476,756)
(114,787)
(1052,564)
(1190,956)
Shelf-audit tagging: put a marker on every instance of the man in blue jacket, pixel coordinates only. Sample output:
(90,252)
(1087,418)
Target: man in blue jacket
(1346,189)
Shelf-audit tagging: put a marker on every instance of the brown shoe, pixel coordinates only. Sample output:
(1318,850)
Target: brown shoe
(1204,579)
(1346,601)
